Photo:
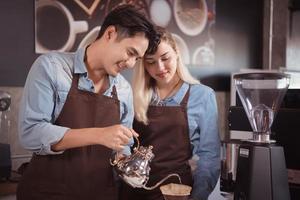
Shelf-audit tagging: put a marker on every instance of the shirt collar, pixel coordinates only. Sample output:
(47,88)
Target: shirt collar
(113,80)
(176,97)
(80,68)
(79,65)
(181,93)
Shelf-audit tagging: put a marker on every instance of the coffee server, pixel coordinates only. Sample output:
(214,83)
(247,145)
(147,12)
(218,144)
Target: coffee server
(261,169)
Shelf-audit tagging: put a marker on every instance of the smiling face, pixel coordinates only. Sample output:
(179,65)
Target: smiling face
(162,65)
(123,53)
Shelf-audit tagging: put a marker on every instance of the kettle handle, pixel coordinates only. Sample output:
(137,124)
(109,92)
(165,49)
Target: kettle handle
(137,141)
(118,158)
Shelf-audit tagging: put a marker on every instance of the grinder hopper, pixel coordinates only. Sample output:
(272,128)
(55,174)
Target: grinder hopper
(261,95)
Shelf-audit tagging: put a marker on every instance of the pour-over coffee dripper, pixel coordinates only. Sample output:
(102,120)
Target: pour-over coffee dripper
(174,191)
(261,95)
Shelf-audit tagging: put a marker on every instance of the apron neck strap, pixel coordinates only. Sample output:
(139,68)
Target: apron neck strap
(185,98)
(75,81)
(114,93)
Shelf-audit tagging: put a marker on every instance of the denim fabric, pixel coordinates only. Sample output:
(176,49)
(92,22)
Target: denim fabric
(45,93)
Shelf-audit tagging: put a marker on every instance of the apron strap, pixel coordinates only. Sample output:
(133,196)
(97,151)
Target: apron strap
(75,80)
(185,98)
(74,86)
(114,93)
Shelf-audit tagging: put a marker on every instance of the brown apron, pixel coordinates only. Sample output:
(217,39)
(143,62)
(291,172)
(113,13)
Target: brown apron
(79,173)
(168,133)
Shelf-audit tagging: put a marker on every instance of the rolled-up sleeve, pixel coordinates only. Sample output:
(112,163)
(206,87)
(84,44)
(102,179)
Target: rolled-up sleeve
(207,171)
(35,126)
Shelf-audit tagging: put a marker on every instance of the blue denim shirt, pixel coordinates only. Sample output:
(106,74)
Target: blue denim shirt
(203,132)
(45,93)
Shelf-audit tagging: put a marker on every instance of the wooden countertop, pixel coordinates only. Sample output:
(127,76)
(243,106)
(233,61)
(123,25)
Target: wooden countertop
(7,188)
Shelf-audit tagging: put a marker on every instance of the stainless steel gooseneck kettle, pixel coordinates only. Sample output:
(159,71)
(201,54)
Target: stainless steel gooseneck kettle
(135,168)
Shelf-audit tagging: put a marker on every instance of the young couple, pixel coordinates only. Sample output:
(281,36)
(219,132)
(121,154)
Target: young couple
(76,109)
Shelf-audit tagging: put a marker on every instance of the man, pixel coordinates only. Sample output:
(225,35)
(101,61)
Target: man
(76,109)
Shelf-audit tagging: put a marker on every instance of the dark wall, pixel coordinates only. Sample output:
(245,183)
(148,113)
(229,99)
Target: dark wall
(16,36)
(238,37)
(238,41)
(239,28)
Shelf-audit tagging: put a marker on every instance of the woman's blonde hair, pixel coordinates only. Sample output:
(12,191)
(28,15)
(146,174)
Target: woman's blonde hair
(142,82)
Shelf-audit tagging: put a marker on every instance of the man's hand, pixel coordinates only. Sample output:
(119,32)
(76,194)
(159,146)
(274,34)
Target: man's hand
(116,137)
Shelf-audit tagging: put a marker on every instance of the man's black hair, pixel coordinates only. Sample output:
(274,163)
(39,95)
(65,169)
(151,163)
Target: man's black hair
(128,22)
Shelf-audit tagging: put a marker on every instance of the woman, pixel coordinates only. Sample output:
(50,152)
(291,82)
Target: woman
(177,116)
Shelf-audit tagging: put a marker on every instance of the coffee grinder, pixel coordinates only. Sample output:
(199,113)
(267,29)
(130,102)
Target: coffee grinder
(261,170)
